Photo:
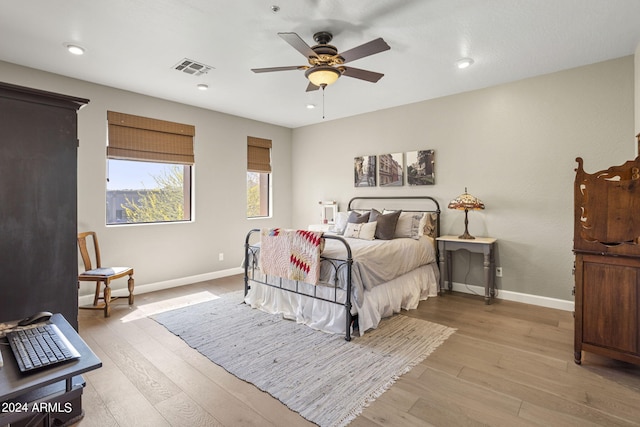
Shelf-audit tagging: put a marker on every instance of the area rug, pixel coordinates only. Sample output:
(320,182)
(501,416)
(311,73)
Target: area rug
(324,378)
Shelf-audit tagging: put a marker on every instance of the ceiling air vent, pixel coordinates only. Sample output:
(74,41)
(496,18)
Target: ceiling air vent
(192,67)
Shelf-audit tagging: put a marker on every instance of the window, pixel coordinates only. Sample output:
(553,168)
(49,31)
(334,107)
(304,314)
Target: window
(149,165)
(258,177)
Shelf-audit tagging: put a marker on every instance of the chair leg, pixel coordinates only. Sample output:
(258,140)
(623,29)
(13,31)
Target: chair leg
(107,300)
(130,286)
(96,296)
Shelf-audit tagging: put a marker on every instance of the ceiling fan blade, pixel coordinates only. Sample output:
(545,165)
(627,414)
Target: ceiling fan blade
(311,87)
(268,70)
(357,73)
(374,46)
(298,44)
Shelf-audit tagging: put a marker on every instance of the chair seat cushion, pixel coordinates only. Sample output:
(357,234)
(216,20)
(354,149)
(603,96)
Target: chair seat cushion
(105,271)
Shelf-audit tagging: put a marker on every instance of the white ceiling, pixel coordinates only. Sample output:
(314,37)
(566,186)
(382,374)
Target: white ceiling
(134,45)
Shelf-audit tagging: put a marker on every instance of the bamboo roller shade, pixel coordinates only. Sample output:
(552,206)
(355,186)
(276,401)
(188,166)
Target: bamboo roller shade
(141,138)
(258,155)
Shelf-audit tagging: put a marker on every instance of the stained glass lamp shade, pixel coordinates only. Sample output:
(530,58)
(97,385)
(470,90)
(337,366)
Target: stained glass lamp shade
(466,202)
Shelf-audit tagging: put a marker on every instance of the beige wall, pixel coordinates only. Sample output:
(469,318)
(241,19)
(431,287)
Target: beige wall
(514,146)
(174,253)
(637,93)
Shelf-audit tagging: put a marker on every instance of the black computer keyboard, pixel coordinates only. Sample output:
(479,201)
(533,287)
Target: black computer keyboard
(41,346)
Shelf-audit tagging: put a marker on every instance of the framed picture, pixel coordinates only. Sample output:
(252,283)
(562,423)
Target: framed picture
(420,167)
(364,171)
(391,170)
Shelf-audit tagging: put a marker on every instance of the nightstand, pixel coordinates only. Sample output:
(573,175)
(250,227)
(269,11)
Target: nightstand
(482,245)
(321,227)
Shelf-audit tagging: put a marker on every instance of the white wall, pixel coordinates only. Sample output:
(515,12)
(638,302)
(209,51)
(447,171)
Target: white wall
(514,146)
(172,254)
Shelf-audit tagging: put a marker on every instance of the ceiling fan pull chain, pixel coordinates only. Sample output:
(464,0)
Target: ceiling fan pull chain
(323,86)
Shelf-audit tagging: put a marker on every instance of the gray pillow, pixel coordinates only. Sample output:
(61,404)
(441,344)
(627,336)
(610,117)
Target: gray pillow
(386,224)
(358,218)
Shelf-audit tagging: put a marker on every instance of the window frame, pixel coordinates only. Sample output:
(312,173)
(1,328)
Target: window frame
(141,139)
(187,192)
(264,190)
(259,152)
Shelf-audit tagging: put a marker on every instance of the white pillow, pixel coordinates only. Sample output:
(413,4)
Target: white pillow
(428,224)
(423,224)
(341,222)
(364,230)
(410,224)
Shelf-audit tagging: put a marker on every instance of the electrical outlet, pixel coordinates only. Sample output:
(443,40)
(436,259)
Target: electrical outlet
(221,256)
(498,271)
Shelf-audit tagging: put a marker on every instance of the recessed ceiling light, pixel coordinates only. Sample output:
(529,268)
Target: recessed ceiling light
(75,49)
(311,106)
(464,63)
(275,8)
(203,86)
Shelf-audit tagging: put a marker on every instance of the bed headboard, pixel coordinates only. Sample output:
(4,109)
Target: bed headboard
(405,203)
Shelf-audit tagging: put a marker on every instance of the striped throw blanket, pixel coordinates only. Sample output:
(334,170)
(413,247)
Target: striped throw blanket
(292,254)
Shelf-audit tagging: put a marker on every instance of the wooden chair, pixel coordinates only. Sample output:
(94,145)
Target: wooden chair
(101,274)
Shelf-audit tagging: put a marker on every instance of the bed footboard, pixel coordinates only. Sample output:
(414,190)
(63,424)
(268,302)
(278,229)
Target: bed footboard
(251,269)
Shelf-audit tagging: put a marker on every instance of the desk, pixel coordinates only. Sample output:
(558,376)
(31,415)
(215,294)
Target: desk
(56,389)
(482,245)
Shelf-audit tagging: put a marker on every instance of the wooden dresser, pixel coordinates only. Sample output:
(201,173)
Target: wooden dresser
(607,261)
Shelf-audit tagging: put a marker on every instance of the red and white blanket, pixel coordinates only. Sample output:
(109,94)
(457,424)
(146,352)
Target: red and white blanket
(292,254)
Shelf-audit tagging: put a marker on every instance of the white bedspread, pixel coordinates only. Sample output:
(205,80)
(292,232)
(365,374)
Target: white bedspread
(377,261)
(374,262)
(402,293)
(387,276)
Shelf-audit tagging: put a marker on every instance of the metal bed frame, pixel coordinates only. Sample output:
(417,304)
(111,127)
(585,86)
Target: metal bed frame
(251,264)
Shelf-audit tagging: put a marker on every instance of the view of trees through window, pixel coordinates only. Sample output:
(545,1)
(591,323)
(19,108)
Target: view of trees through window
(146,192)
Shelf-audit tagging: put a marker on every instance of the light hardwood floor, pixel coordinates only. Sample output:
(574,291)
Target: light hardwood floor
(508,364)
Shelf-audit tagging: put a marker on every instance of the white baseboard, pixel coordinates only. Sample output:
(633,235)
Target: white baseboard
(458,287)
(167,284)
(559,304)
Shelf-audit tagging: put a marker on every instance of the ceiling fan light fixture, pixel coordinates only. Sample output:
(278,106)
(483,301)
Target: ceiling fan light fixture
(322,75)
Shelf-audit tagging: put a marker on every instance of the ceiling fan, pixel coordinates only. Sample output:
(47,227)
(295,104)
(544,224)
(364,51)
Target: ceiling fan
(326,65)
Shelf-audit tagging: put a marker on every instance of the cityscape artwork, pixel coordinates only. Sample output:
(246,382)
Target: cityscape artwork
(420,167)
(364,171)
(391,170)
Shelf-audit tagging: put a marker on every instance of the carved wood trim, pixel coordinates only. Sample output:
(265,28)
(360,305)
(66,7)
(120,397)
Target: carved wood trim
(607,209)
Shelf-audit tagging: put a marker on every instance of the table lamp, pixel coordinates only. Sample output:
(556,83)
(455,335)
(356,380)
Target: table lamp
(466,202)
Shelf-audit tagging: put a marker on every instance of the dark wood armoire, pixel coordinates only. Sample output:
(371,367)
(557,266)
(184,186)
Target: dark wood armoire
(38,203)
(607,261)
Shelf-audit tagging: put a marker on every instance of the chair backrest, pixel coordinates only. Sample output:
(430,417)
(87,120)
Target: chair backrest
(84,249)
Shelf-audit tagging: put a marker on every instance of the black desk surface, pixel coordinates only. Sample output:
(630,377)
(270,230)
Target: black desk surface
(14,383)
